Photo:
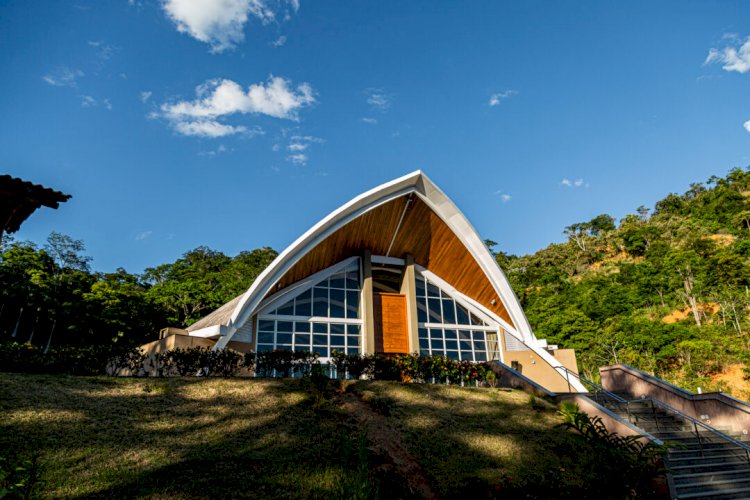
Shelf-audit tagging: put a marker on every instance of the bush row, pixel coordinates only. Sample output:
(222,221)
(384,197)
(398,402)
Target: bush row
(28,358)
(203,361)
(226,363)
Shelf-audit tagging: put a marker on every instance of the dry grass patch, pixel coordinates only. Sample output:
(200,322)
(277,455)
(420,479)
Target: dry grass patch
(179,438)
(481,441)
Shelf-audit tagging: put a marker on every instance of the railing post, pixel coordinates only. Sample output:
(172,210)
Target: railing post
(653,413)
(697,434)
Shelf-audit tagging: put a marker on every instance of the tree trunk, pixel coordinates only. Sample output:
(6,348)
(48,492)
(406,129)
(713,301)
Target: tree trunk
(49,340)
(688,284)
(18,323)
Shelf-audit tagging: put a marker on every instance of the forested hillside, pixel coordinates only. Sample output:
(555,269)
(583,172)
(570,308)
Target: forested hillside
(664,290)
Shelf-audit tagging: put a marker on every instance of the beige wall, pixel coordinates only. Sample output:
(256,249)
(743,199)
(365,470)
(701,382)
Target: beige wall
(567,357)
(533,366)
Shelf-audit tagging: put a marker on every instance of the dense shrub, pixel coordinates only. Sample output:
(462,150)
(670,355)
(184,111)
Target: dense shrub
(28,358)
(199,361)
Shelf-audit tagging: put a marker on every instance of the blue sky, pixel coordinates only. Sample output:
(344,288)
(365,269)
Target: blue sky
(240,123)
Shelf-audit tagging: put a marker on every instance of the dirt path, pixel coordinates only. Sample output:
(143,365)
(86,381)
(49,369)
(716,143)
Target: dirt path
(387,441)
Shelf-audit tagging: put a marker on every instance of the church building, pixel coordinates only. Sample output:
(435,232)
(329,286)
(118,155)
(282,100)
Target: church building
(398,269)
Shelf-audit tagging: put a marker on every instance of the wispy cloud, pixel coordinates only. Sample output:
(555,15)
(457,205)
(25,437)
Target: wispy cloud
(504,197)
(143,235)
(63,77)
(146,95)
(104,51)
(747,125)
(298,159)
(498,97)
(735,57)
(88,101)
(279,42)
(578,183)
(211,153)
(297,146)
(221,24)
(378,99)
(370,121)
(219,98)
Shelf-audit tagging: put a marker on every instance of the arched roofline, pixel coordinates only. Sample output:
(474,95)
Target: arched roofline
(418,183)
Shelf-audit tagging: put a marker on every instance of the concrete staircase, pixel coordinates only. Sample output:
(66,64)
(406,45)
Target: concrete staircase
(703,462)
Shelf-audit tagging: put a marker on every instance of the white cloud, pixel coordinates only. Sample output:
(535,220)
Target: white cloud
(298,159)
(279,42)
(504,197)
(574,183)
(276,147)
(214,152)
(378,99)
(298,144)
(221,23)
(747,125)
(143,235)
(103,50)
(146,95)
(497,98)
(220,98)
(732,58)
(207,128)
(88,101)
(63,77)
(370,121)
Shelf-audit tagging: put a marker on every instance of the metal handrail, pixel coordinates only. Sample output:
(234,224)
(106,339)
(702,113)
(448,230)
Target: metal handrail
(697,423)
(597,387)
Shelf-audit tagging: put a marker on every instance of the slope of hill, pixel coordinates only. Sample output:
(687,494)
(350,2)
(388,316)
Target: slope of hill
(666,292)
(269,438)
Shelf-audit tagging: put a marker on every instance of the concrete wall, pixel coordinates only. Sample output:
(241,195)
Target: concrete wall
(715,408)
(508,377)
(566,357)
(534,367)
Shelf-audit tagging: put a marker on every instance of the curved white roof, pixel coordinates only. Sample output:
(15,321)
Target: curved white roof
(419,184)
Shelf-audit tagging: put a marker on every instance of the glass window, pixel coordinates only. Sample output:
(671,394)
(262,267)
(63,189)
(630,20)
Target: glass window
(338,307)
(352,304)
(449,312)
(320,301)
(303,305)
(335,300)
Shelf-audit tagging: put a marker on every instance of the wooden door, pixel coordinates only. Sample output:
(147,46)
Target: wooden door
(391,328)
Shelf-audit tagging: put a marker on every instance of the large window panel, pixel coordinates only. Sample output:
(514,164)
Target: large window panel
(450,328)
(322,319)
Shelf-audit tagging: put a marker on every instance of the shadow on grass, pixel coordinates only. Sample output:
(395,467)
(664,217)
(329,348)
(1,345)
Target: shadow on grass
(489,443)
(186,438)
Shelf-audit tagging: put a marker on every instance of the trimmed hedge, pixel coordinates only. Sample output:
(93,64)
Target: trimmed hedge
(203,361)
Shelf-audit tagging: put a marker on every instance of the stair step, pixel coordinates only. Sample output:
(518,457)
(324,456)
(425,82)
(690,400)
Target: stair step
(724,494)
(710,461)
(712,476)
(712,487)
(678,460)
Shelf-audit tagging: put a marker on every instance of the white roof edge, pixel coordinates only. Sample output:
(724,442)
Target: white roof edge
(438,201)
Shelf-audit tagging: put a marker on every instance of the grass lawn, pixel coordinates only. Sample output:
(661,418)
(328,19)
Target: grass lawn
(468,439)
(212,438)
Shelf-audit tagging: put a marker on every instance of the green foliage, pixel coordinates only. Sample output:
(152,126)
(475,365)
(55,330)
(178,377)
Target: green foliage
(18,478)
(667,293)
(624,465)
(202,361)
